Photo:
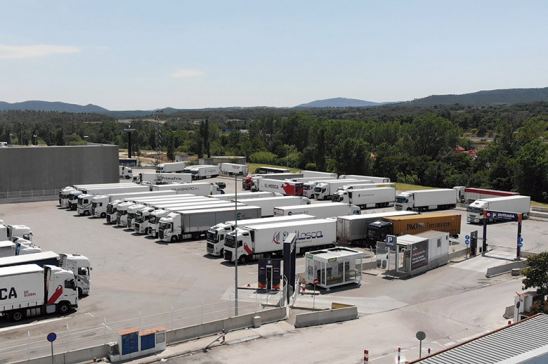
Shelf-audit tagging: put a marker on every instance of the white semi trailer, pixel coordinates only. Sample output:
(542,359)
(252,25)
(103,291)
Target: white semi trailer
(30,290)
(510,204)
(99,203)
(64,196)
(267,204)
(325,190)
(13,232)
(203,171)
(319,210)
(267,239)
(314,174)
(112,207)
(232,169)
(10,248)
(192,224)
(368,197)
(369,178)
(217,233)
(245,195)
(152,178)
(423,200)
(85,200)
(195,188)
(171,167)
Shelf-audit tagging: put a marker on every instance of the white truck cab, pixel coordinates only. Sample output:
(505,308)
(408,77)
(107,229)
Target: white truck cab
(141,223)
(111,211)
(84,206)
(73,199)
(154,221)
(128,219)
(80,266)
(13,232)
(121,210)
(99,205)
(64,196)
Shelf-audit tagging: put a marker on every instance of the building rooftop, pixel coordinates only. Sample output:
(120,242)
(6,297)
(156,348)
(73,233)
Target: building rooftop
(516,343)
(339,252)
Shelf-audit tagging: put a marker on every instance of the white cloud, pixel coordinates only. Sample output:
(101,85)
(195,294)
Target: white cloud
(34,51)
(187,73)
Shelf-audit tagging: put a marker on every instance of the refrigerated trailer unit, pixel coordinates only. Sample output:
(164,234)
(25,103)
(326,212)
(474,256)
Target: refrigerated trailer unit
(319,210)
(283,187)
(502,205)
(232,169)
(154,178)
(195,188)
(352,229)
(313,174)
(250,182)
(268,204)
(171,167)
(423,200)
(325,190)
(369,178)
(195,223)
(30,290)
(368,197)
(217,233)
(468,195)
(245,195)
(267,239)
(203,171)
(99,203)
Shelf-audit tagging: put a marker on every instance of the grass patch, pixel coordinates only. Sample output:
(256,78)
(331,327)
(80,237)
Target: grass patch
(539,204)
(253,166)
(408,187)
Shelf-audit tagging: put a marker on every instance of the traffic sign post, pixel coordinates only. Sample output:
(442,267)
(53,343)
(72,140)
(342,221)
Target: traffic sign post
(51,338)
(314,296)
(365,356)
(519,238)
(420,335)
(484,245)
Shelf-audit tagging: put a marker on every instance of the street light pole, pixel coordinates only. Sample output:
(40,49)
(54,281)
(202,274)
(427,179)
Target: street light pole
(236,250)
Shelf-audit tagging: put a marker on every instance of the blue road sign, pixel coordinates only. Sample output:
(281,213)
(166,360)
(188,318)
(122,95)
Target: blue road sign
(51,337)
(520,244)
(467,237)
(521,239)
(467,242)
(391,240)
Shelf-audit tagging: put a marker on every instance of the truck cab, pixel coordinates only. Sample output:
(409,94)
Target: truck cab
(84,206)
(13,232)
(168,227)
(475,211)
(216,238)
(112,212)
(99,206)
(68,298)
(404,201)
(341,196)
(320,191)
(128,219)
(121,211)
(64,196)
(154,222)
(141,221)
(377,231)
(80,266)
(231,252)
(73,199)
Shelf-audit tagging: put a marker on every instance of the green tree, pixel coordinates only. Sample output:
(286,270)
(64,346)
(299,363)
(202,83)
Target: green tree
(59,137)
(536,274)
(531,172)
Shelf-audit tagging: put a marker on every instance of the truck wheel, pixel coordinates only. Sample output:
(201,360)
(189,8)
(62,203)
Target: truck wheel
(243,259)
(103,215)
(17,316)
(173,239)
(63,308)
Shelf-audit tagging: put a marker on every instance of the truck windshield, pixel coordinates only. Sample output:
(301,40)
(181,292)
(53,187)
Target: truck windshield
(317,189)
(211,236)
(400,199)
(230,241)
(475,210)
(153,219)
(165,226)
(94,204)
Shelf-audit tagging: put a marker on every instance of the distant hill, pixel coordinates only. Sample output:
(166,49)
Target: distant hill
(338,102)
(35,105)
(484,98)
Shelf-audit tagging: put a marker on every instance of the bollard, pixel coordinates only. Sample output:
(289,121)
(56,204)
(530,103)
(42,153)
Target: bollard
(428,351)
(399,352)
(365,356)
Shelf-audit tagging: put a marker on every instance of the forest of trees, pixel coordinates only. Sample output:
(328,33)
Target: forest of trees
(410,145)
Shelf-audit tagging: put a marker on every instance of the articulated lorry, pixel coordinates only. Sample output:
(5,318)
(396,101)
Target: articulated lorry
(192,224)
(13,232)
(99,203)
(217,233)
(368,197)
(400,225)
(308,187)
(64,196)
(84,200)
(423,200)
(283,187)
(112,207)
(361,186)
(203,171)
(30,290)
(319,210)
(171,167)
(152,178)
(325,190)
(368,178)
(352,229)
(252,180)
(78,264)
(468,195)
(505,208)
(10,248)
(232,169)
(267,204)
(195,188)
(266,240)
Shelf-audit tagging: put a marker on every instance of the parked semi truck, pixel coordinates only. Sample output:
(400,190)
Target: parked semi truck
(171,167)
(503,205)
(232,169)
(319,210)
(99,203)
(267,239)
(30,290)
(250,180)
(368,178)
(10,248)
(308,187)
(216,234)
(352,229)
(112,207)
(78,264)
(423,200)
(195,188)
(399,225)
(192,224)
(283,187)
(152,178)
(13,232)
(468,195)
(325,190)
(203,171)
(267,204)
(64,196)
(368,197)
(85,199)
(361,186)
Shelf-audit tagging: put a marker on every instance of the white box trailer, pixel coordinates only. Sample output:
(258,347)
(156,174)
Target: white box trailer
(423,200)
(162,198)
(313,174)
(99,202)
(267,204)
(30,290)
(267,239)
(196,188)
(352,229)
(369,178)
(361,186)
(245,195)
(325,190)
(251,182)
(13,232)
(319,210)
(171,167)
(84,200)
(216,234)
(232,169)
(18,247)
(368,197)
(509,204)
(195,223)
(203,171)
(308,187)
(153,178)
(182,201)
(282,187)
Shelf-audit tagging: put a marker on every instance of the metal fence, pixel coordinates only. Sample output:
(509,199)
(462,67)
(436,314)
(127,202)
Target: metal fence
(31,195)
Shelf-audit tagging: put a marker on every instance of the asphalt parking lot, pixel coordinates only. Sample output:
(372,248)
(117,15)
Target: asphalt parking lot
(139,282)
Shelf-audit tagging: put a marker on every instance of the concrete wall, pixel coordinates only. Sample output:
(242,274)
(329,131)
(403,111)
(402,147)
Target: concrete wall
(325,316)
(30,172)
(504,268)
(76,356)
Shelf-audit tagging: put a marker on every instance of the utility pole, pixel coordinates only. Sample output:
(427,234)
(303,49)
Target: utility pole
(236,249)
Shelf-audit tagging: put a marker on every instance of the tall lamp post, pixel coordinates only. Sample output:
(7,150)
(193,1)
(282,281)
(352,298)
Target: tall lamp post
(129,130)
(236,250)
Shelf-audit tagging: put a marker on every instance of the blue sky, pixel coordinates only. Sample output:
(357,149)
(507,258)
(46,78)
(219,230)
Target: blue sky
(190,54)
